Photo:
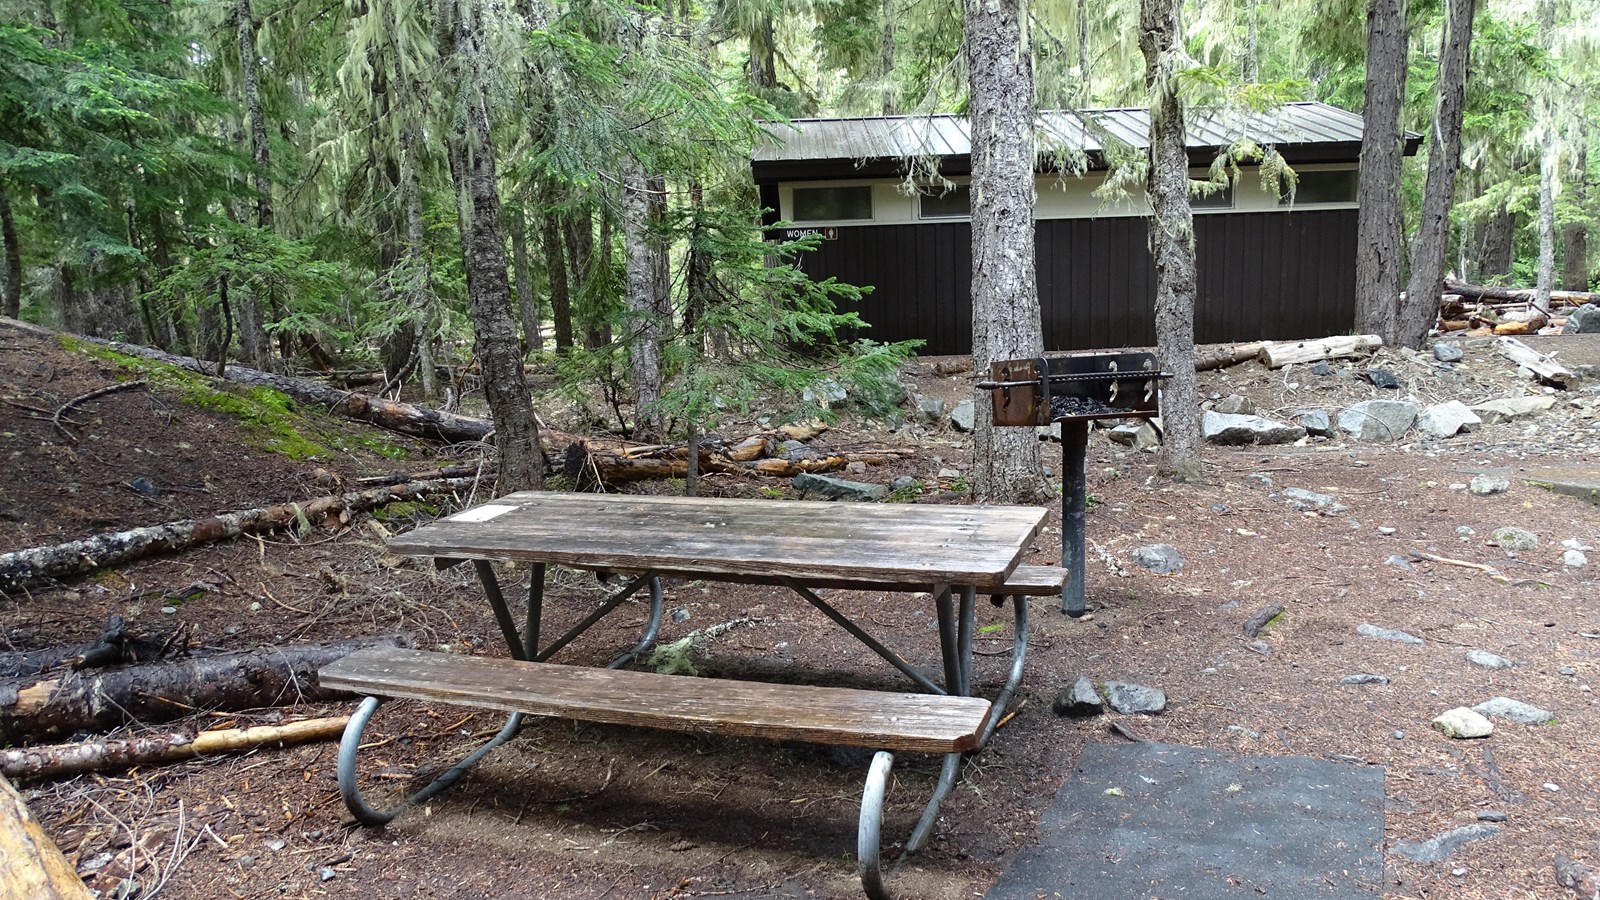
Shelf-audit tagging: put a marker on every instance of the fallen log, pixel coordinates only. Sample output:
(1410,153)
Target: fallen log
(114,646)
(1491,292)
(31,865)
(1542,365)
(42,708)
(20,568)
(1277,354)
(56,761)
(1226,355)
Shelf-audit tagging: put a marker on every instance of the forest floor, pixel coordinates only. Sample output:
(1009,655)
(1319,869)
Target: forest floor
(586,811)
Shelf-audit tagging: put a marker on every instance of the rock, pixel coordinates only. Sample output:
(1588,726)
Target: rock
(145,486)
(1386,530)
(949,473)
(1574,558)
(1382,378)
(903,483)
(1148,437)
(1232,430)
(828,391)
(1491,815)
(1447,351)
(1583,320)
(1051,432)
(326,874)
(1235,405)
(855,467)
(793,450)
(1302,499)
(1386,634)
(1514,711)
(1260,479)
(1399,562)
(1314,421)
(1443,420)
(1507,408)
(1320,367)
(1398,735)
(1261,647)
(1127,698)
(1378,420)
(930,410)
(1567,670)
(1162,559)
(1487,486)
(1079,701)
(1489,660)
(1124,434)
(838,488)
(1364,678)
(1511,538)
(680,615)
(1462,723)
(964,415)
(1253,625)
(1438,849)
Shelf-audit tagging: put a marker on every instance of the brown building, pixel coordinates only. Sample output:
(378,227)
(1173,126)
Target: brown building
(1271,265)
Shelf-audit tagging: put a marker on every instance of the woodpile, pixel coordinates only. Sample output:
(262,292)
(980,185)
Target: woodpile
(1481,310)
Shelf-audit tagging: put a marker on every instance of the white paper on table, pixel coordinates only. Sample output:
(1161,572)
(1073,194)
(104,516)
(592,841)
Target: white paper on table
(482,513)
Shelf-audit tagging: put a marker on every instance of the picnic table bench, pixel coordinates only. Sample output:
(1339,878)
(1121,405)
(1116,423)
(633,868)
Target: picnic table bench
(951,552)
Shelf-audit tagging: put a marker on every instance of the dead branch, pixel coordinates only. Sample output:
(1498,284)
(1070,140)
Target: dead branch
(46,707)
(1523,295)
(1543,366)
(34,867)
(55,761)
(22,567)
(117,644)
(84,398)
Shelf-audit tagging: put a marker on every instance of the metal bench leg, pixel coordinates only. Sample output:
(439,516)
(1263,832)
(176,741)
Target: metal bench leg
(930,815)
(657,601)
(1019,654)
(351,743)
(868,837)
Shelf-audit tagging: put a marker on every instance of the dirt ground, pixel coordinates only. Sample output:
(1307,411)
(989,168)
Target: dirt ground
(582,811)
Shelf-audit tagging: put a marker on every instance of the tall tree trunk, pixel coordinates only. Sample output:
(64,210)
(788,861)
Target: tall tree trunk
(763,57)
(1005,293)
(697,270)
(597,327)
(1575,234)
(1378,196)
(888,58)
(254,343)
(483,250)
(1252,46)
(1499,243)
(555,261)
(1549,163)
(645,305)
(1421,303)
(1171,237)
(418,283)
(522,278)
(1085,83)
(12,305)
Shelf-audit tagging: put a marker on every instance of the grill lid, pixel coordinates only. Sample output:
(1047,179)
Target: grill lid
(1075,387)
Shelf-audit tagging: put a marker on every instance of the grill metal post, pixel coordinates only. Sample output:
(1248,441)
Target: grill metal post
(1074,451)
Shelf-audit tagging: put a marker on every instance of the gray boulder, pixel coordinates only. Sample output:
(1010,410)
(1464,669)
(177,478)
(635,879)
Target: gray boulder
(1514,711)
(1233,430)
(1443,420)
(1235,405)
(1512,538)
(1378,420)
(930,410)
(1127,698)
(1462,723)
(838,488)
(1162,559)
(1583,320)
(1366,629)
(1488,485)
(1079,701)
(1507,408)
(1489,660)
(964,415)
(1447,352)
(1314,421)
(1304,500)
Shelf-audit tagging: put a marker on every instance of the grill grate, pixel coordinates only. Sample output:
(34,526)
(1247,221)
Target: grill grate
(1078,386)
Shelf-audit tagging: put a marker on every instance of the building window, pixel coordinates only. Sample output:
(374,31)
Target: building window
(832,204)
(956,202)
(1337,186)
(1217,199)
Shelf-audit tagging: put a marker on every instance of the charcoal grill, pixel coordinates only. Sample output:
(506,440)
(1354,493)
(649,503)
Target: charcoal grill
(1074,390)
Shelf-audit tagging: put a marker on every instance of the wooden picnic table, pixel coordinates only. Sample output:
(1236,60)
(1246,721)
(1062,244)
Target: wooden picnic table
(950,552)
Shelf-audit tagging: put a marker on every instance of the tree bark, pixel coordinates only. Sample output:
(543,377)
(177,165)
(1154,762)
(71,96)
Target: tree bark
(20,568)
(1418,309)
(100,755)
(254,312)
(887,67)
(522,279)
(472,166)
(114,646)
(555,261)
(1005,295)
(33,865)
(64,703)
(1171,238)
(12,303)
(1575,234)
(414,261)
(1378,193)
(1252,44)
(1499,242)
(1549,162)
(645,308)
(763,57)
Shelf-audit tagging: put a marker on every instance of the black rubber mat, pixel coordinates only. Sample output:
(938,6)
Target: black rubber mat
(1141,821)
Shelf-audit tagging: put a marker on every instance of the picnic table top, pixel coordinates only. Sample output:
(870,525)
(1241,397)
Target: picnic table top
(808,541)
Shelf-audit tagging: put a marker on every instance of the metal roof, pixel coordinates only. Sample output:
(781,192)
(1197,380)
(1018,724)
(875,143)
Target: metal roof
(897,137)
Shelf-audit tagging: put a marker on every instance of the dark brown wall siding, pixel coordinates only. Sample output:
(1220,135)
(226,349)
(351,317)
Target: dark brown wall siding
(1263,276)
